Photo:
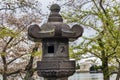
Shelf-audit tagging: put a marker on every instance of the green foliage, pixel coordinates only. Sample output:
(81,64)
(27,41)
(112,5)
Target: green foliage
(105,23)
(112,69)
(74,53)
(77,66)
(3,54)
(37,53)
(6,32)
(96,68)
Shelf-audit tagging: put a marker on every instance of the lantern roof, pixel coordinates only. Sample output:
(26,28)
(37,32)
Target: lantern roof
(54,28)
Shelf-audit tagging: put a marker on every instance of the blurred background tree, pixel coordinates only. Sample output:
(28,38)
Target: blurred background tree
(17,53)
(102,17)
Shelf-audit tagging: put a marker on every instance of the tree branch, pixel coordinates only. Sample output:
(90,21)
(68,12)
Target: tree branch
(95,55)
(15,72)
(29,66)
(15,59)
(5,9)
(114,48)
(96,5)
(102,7)
(5,47)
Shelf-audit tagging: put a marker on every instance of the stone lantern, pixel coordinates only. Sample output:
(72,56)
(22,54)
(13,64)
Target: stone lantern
(55,36)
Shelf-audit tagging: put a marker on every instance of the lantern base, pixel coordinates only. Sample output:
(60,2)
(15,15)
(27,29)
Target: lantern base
(55,69)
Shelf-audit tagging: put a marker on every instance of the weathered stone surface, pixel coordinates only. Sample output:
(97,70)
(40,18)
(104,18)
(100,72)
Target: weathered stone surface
(54,28)
(55,68)
(59,49)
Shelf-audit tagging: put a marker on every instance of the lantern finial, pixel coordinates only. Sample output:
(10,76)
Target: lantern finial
(55,8)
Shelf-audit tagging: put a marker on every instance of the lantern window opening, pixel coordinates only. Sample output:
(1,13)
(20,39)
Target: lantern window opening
(51,49)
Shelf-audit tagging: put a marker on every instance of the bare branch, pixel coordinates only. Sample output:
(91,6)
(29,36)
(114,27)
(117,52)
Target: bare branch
(102,7)
(96,5)
(5,47)
(15,59)
(15,72)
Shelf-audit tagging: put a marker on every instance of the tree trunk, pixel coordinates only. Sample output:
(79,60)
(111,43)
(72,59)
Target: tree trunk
(5,67)
(4,76)
(106,75)
(104,60)
(29,68)
(29,75)
(4,59)
(118,73)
